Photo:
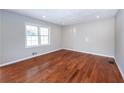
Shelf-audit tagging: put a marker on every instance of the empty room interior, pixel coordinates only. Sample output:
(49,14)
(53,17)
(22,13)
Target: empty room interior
(61,45)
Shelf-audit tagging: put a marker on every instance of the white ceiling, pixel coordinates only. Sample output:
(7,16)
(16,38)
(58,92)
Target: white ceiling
(67,16)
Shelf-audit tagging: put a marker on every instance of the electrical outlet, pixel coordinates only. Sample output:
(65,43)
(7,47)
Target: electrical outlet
(34,53)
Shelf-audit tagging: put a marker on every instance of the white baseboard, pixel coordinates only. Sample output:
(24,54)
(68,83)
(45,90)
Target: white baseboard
(122,74)
(19,60)
(89,52)
(22,59)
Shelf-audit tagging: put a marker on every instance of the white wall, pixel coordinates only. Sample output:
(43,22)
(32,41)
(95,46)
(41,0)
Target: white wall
(0,37)
(95,37)
(13,37)
(119,41)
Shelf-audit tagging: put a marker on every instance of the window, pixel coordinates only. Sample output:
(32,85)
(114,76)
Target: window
(31,36)
(36,36)
(44,34)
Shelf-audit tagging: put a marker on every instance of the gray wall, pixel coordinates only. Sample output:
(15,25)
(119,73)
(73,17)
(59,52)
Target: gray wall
(94,37)
(0,37)
(13,37)
(119,41)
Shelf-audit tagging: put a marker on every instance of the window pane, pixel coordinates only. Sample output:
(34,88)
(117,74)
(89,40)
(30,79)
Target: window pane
(44,40)
(31,35)
(31,30)
(43,31)
(35,38)
(34,43)
(28,38)
(28,43)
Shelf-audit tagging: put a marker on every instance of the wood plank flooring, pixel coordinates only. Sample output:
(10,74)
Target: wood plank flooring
(63,66)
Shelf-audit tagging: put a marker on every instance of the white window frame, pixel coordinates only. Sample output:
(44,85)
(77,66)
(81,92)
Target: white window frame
(48,36)
(39,36)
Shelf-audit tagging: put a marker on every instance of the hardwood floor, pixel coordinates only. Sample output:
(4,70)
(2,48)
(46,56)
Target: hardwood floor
(62,66)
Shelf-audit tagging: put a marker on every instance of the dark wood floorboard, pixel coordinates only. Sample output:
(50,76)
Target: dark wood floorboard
(63,66)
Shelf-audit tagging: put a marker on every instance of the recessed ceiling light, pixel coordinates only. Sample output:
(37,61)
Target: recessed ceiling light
(97,16)
(44,16)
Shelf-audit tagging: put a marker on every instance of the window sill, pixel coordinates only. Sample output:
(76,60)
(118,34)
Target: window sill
(38,46)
